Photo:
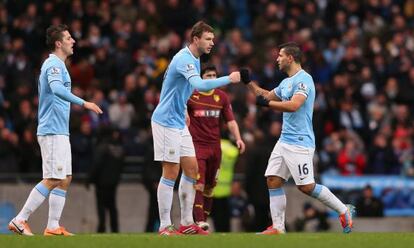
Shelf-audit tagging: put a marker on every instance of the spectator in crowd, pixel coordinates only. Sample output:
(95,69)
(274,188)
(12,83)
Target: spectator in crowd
(105,174)
(313,220)
(368,205)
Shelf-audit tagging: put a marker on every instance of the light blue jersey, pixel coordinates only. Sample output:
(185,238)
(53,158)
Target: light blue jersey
(55,97)
(297,126)
(180,80)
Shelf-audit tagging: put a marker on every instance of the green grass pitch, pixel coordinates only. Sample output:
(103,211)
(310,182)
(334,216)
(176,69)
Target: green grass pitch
(237,240)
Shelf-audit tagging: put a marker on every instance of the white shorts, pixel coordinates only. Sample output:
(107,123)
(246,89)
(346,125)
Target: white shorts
(56,156)
(290,160)
(170,143)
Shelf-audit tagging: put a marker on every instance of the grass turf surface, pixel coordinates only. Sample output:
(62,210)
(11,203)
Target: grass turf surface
(238,240)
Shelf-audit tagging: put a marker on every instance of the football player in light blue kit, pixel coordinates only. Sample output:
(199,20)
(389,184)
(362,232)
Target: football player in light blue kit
(55,98)
(293,153)
(173,145)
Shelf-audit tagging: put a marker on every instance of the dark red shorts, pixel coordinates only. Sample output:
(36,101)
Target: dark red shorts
(209,159)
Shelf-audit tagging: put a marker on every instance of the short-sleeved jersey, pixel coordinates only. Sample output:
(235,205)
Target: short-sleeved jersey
(176,90)
(297,126)
(54,112)
(205,111)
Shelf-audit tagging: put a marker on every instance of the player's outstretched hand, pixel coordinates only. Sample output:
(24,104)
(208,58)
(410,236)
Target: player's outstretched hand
(262,101)
(234,77)
(93,107)
(245,75)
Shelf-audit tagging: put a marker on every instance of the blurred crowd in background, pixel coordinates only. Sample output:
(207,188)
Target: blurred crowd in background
(360,54)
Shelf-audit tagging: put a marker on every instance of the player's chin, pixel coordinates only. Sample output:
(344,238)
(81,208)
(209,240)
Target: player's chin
(207,51)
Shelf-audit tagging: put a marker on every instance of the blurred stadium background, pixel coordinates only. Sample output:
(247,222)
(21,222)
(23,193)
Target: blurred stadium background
(360,54)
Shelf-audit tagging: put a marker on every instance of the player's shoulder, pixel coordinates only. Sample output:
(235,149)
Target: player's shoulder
(183,56)
(305,75)
(52,61)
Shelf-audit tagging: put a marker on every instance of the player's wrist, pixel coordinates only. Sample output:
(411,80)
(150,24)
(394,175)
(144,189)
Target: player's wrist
(262,101)
(245,76)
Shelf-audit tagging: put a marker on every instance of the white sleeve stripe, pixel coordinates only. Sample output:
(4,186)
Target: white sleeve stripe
(277,94)
(301,93)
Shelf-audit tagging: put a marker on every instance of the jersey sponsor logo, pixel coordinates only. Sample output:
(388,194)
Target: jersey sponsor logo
(207,113)
(190,67)
(216,98)
(55,71)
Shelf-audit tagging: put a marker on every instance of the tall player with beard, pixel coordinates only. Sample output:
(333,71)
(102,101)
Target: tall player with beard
(173,145)
(205,110)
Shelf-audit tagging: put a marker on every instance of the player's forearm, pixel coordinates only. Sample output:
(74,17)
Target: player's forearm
(208,84)
(257,90)
(59,90)
(286,106)
(234,129)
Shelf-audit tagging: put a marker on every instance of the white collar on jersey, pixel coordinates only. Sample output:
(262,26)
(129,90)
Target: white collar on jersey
(192,55)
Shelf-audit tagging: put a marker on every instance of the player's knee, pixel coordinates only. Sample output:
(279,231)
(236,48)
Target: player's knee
(52,183)
(306,189)
(274,182)
(192,172)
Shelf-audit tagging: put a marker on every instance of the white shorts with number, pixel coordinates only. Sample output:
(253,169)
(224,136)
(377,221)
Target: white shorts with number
(56,156)
(291,160)
(170,143)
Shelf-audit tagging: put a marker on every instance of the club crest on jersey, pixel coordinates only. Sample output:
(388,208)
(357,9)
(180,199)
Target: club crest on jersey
(216,98)
(55,71)
(190,67)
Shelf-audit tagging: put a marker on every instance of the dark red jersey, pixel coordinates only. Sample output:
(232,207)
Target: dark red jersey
(205,111)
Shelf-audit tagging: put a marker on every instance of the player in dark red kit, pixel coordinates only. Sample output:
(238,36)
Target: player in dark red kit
(205,109)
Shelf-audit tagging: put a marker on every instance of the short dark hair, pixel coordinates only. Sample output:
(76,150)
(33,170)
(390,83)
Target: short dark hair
(292,49)
(208,67)
(199,28)
(55,33)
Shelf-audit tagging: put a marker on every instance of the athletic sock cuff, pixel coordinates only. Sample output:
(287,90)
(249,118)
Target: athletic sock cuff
(188,179)
(317,190)
(42,189)
(168,182)
(276,192)
(59,192)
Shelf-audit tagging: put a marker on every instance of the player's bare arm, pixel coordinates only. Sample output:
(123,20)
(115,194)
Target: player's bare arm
(258,91)
(288,106)
(234,130)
